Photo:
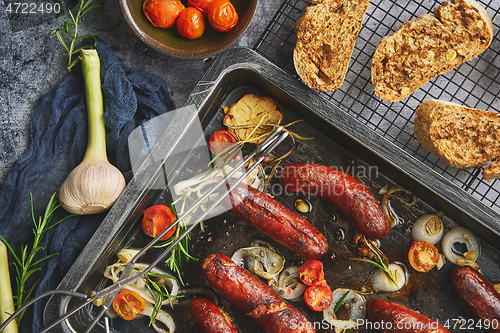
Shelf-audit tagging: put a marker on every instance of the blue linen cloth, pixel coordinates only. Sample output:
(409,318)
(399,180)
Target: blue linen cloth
(58,140)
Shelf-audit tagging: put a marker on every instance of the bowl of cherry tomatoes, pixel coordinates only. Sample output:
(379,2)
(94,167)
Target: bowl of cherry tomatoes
(189,29)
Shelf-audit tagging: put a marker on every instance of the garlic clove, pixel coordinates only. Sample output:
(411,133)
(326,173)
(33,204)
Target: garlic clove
(91,188)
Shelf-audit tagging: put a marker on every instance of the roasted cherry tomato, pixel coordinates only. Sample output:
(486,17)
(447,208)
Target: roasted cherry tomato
(319,296)
(222,15)
(190,23)
(162,13)
(220,140)
(423,256)
(202,5)
(156,219)
(311,272)
(128,304)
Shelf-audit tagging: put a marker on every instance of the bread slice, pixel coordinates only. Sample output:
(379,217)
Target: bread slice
(428,46)
(326,33)
(460,136)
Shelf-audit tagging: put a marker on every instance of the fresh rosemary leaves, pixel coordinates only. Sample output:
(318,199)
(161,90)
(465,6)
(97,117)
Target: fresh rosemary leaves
(70,30)
(24,258)
(181,249)
(380,260)
(158,292)
(68,34)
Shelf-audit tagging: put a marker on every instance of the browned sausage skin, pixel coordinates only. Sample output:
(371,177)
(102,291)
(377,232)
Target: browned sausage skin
(393,317)
(478,295)
(209,318)
(253,297)
(348,194)
(278,222)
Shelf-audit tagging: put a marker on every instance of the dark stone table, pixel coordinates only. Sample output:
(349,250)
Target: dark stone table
(32,63)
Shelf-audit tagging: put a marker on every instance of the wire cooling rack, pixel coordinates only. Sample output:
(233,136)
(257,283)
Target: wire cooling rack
(475,84)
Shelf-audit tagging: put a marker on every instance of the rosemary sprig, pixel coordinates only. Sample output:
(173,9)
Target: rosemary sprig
(180,251)
(158,292)
(70,30)
(341,300)
(25,262)
(381,260)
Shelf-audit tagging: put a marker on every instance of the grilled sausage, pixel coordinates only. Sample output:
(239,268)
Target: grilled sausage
(253,297)
(209,317)
(278,222)
(348,194)
(393,317)
(478,295)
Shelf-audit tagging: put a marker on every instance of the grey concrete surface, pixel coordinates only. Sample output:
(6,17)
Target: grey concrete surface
(32,62)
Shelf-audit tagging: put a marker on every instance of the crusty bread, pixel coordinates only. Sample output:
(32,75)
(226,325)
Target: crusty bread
(326,33)
(460,136)
(428,46)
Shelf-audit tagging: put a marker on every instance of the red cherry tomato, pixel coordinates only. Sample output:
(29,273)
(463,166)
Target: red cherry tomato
(156,219)
(190,23)
(311,272)
(202,5)
(220,140)
(423,256)
(318,297)
(222,15)
(162,13)
(128,304)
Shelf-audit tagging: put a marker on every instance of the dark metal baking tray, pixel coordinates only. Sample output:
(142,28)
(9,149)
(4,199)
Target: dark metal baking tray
(340,141)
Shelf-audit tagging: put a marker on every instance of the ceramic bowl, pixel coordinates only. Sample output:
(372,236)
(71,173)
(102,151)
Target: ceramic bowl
(171,43)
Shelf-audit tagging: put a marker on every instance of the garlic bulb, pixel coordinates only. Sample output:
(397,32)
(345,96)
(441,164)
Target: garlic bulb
(94,185)
(91,188)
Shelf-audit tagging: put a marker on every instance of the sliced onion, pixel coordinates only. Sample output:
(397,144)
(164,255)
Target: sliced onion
(292,292)
(126,255)
(113,272)
(463,236)
(197,183)
(288,284)
(288,276)
(357,309)
(162,317)
(428,227)
(260,260)
(381,282)
(441,262)
(391,193)
(259,242)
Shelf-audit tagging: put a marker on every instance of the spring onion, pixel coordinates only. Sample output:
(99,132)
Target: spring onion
(6,300)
